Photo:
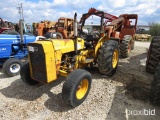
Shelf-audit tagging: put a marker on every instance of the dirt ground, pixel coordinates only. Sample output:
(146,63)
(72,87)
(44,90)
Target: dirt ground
(109,97)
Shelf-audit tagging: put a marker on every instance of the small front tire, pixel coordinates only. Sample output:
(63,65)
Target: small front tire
(76,87)
(26,76)
(12,67)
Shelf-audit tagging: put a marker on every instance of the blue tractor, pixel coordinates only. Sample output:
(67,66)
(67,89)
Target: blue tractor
(13,48)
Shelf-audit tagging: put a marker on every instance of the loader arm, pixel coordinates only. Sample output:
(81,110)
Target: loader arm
(93,11)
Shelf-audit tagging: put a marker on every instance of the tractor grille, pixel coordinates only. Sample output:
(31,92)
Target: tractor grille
(38,63)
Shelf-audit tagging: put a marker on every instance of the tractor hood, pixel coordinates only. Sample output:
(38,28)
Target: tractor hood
(63,45)
(15,39)
(67,45)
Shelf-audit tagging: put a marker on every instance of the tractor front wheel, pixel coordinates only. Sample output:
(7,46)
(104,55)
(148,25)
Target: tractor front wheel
(76,87)
(26,76)
(12,67)
(108,58)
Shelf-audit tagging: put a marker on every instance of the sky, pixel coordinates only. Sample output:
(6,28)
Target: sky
(38,10)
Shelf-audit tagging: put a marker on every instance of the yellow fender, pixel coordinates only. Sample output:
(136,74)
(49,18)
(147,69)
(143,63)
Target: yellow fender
(99,44)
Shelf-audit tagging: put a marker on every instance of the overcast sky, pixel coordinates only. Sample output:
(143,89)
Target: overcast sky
(38,10)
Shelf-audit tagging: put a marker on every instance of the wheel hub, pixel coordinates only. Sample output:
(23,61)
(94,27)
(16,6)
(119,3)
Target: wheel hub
(115,58)
(14,68)
(82,89)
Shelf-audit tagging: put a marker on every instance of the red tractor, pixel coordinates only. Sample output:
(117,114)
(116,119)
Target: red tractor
(121,29)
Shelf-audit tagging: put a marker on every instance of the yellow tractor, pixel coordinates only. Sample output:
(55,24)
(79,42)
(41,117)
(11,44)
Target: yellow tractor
(51,58)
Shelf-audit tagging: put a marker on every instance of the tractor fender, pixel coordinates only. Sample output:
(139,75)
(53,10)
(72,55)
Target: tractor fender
(40,38)
(99,44)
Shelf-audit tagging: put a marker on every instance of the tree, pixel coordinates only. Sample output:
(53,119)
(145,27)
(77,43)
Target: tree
(154,29)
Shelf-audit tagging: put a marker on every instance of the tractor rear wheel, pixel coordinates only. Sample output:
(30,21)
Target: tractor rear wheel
(155,88)
(108,58)
(153,57)
(76,87)
(125,46)
(26,76)
(12,67)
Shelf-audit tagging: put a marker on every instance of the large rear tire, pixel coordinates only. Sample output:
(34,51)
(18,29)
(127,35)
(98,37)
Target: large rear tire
(153,57)
(76,87)
(155,88)
(26,76)
(12,66)
(108,58)
(125,46)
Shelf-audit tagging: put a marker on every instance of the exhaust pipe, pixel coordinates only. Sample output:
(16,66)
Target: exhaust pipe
(21,30)
(75,32)
(75,25)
